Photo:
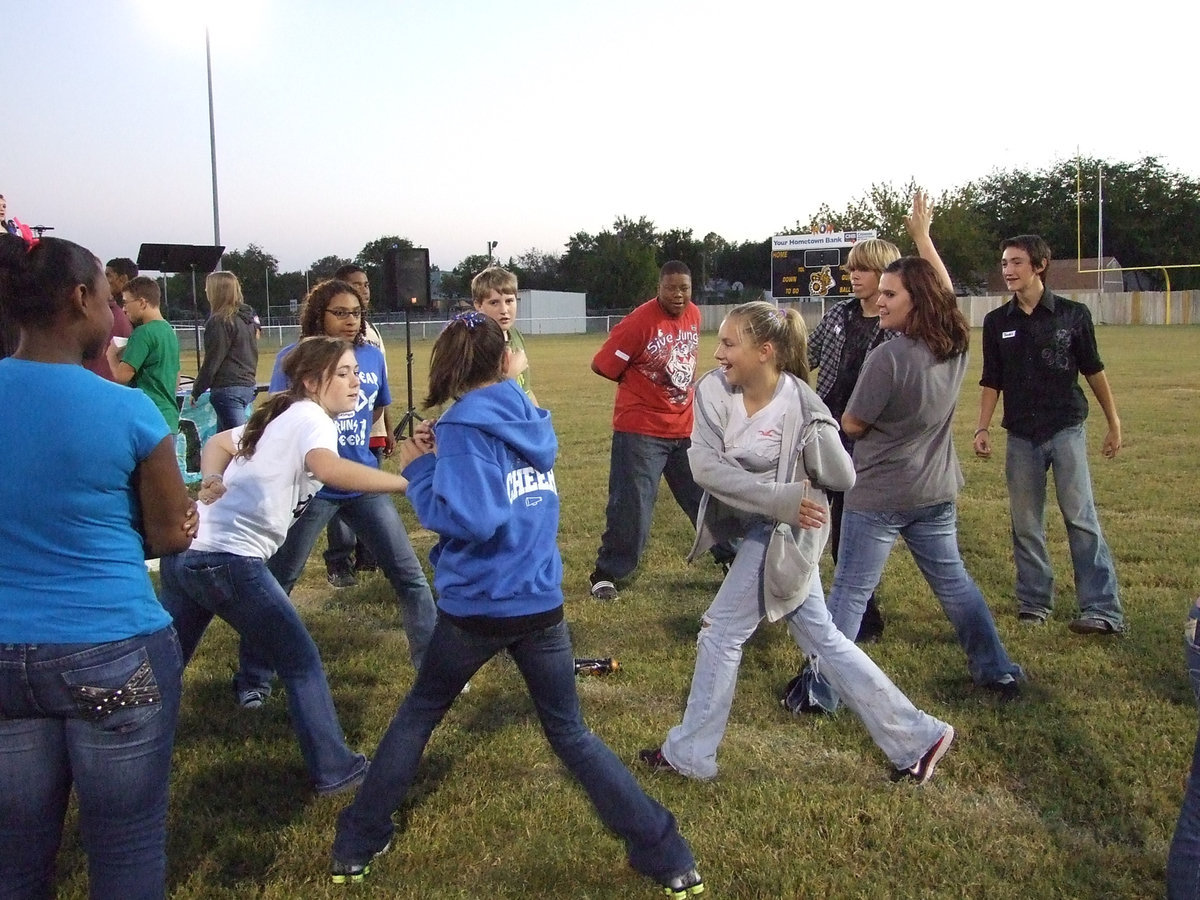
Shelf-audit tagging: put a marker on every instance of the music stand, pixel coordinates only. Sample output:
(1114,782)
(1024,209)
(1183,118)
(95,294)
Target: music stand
(174,258)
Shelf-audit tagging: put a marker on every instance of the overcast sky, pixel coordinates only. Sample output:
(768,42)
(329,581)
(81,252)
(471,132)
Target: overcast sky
(456,122)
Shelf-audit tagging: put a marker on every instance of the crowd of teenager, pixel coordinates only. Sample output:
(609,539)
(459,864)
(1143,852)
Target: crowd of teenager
(769,469)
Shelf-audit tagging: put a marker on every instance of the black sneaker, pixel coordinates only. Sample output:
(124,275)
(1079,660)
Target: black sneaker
(342,872)
(341,575)
(688,884)
(655,760)
(923,770)
(1006,689)
(870,629)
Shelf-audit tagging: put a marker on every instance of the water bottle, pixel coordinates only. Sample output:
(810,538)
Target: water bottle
(596,666)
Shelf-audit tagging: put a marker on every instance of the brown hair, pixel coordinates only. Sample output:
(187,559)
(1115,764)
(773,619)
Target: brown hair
(312,359)
(312,314)
(144,288)
(935,318)
(468,353)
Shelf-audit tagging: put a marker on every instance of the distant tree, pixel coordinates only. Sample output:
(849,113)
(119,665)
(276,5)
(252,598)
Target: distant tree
(1149,212)
(324,267)
(537,270)
(617,268)
(456,284)
(679,244)
(748,262)
(253,266)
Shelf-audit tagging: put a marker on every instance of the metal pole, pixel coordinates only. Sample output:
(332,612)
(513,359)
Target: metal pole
(212,141)
(1100,228)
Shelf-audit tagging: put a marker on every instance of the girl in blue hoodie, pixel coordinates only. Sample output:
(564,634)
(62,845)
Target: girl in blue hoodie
(485,485)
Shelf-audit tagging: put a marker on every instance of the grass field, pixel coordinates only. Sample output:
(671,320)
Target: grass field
(1071,792)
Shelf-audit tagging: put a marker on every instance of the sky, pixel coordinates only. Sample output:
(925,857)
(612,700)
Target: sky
(458,122)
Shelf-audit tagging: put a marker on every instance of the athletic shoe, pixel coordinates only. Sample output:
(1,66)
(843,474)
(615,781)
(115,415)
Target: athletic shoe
(604,590)
(341,575)
(923,771)
(1090,625)
(689,884)
(251,698)
(343,872)
(655,760)
(1006,689)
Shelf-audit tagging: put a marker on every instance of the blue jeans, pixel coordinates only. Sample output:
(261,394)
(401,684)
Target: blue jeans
(931,533)
(60,725)
(343,546)
(903,732)
(230,404)
(198,585)
(1026,464)
(1183,861)
(374,518)
(636,464)
(546,662)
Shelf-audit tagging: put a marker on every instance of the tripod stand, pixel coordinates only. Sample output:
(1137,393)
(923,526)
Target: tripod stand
(411,416)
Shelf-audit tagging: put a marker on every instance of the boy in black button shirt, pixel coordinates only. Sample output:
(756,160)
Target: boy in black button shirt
(1034,348)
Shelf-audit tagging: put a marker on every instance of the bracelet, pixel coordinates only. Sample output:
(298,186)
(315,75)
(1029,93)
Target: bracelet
(979,431)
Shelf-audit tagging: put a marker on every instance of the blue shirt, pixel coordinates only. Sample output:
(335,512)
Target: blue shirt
(354,428)
(72,568)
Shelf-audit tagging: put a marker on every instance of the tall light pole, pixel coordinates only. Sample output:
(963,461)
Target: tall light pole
(212,141)
(492,245)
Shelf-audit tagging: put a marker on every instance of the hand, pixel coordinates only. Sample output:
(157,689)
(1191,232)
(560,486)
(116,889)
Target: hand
(919,221)
(411,449)
(389,444)
(518,362)
(1112,441)
(813,513)
(982,445)
(211,490)
(191,520)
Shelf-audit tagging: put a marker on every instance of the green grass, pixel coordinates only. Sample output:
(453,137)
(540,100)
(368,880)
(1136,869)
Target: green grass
(1072,792)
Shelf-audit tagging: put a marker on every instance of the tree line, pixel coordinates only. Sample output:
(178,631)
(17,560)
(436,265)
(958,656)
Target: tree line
(1149,213)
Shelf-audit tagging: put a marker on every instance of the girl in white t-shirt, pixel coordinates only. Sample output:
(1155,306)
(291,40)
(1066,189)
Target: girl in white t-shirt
(753,409)
(258,479)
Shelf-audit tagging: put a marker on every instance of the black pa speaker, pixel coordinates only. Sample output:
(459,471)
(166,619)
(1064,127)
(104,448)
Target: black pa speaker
(406,277)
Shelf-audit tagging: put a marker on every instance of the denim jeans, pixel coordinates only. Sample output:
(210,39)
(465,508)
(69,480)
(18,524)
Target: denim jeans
(1183,861)
(636,464)
(1026,464)
(931,533)
(230,404)
(903,732)
(546,662)
(197,585)
(342,545)
(61,724)
(374,518)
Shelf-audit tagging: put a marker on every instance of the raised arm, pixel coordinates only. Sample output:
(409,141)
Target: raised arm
(918,223)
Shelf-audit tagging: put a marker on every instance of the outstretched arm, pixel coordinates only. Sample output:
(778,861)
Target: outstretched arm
(918,224)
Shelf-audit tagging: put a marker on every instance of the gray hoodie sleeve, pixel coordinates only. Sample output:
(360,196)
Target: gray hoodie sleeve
(216,347)
(726,480)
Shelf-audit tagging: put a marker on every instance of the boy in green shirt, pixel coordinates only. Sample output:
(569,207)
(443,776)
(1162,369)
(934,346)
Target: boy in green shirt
(150,361)
(494,292)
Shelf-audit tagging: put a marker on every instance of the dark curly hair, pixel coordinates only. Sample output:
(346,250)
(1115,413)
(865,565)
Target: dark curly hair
(935,319)
(312,314)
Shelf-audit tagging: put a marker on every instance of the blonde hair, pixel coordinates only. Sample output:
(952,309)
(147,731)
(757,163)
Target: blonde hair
(493,278)
(872,255)
(224,293)
(761,322)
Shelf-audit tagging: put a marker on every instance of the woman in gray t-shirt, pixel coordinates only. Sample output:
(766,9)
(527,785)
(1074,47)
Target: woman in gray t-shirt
(908,475)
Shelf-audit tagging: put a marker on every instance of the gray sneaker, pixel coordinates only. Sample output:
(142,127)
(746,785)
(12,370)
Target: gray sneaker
(604,590)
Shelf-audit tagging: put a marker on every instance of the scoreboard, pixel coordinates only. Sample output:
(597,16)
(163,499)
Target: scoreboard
(809,266)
